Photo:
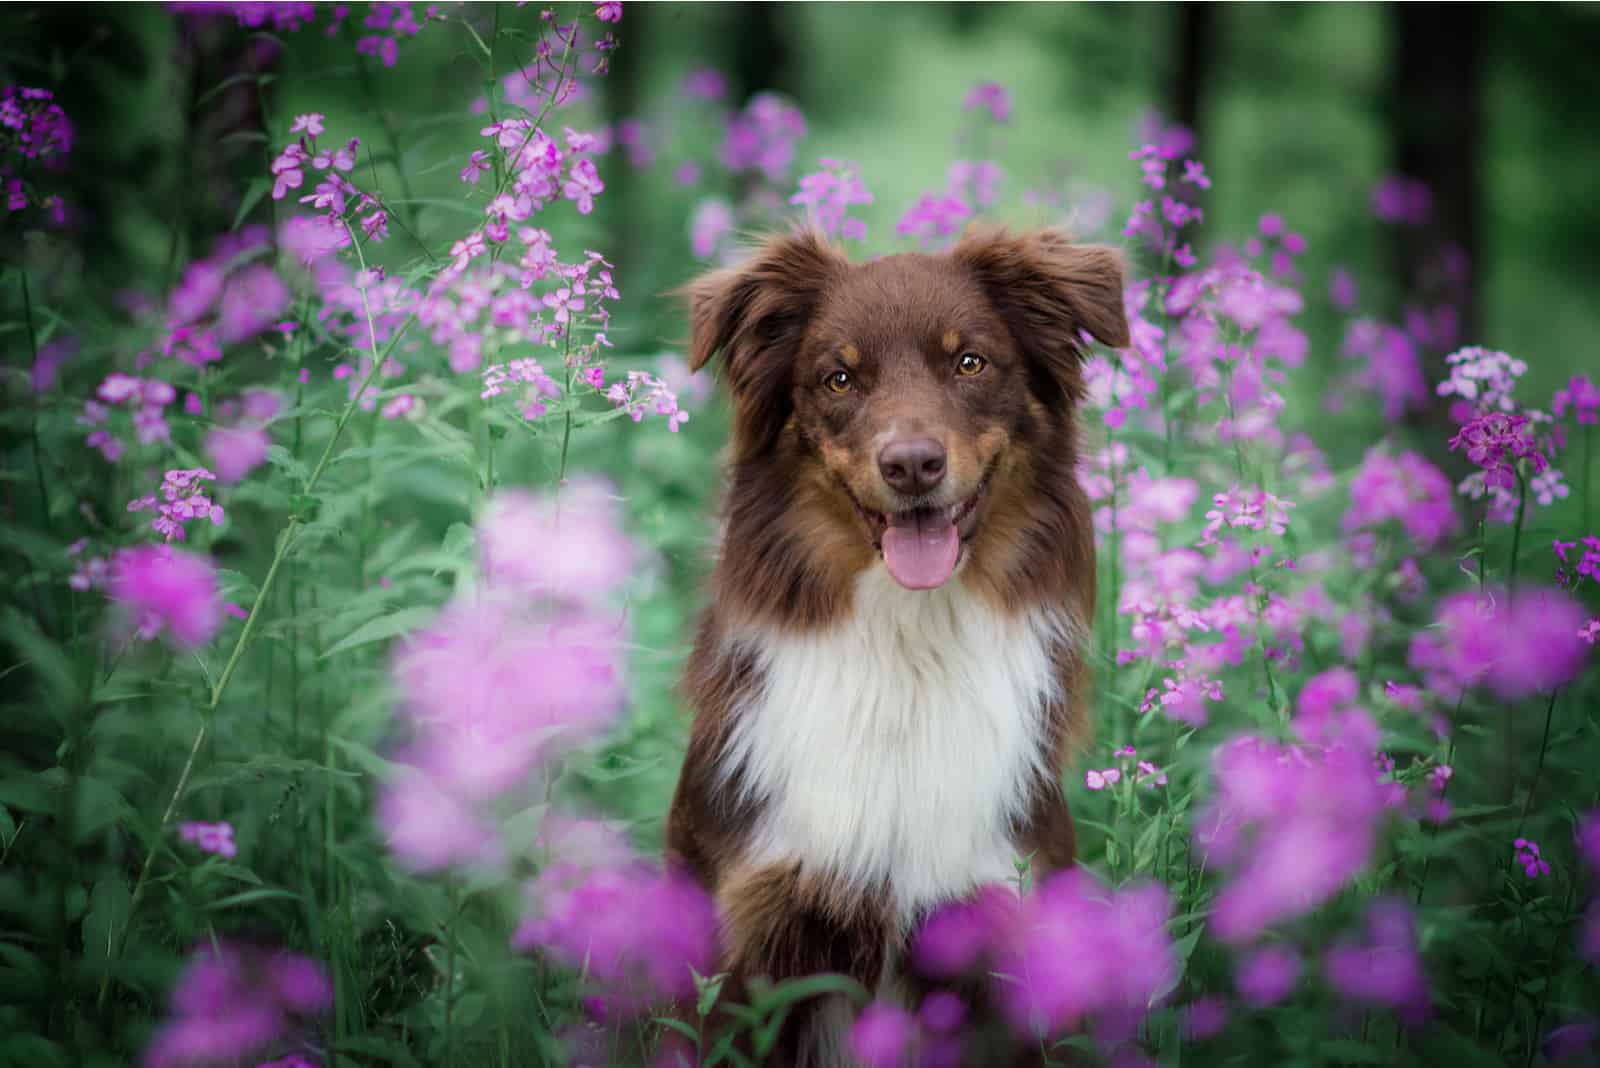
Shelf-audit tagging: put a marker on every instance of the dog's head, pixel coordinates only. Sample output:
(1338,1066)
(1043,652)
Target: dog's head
(907,392)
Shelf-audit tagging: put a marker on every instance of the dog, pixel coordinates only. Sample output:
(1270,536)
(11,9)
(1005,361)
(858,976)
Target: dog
(889,678)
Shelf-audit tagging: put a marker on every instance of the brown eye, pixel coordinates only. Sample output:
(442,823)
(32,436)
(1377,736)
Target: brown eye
(970,364)
(840,382)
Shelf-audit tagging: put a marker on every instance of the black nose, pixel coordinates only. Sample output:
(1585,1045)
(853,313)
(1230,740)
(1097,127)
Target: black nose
(913,466)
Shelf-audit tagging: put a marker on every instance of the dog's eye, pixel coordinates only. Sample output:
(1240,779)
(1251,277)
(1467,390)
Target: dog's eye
(970,364)
(839,382)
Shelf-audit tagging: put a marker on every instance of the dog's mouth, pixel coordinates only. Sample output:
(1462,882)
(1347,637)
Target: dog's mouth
(921,546)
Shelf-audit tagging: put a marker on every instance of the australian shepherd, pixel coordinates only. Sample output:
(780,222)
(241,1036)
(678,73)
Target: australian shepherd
(889,679)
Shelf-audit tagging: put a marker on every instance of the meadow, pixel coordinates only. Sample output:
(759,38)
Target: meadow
(355,528)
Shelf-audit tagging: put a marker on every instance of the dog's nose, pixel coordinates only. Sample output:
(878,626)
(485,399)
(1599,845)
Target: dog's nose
(913,466)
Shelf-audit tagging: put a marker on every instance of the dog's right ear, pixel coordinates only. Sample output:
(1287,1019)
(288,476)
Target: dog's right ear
(755,314)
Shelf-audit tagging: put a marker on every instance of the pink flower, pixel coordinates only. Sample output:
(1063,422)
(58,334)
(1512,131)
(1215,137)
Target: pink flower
(1528,858)
(711,222)
(1382,966)
(1268,975)
(1514,646)
(233,1000)
(166,589)
(1100,780)
(608,11)
(881,1036)
(1405,489)
(210,837)
(569,544)
(639,934)
(991,97)
(1582,396)
(236,451)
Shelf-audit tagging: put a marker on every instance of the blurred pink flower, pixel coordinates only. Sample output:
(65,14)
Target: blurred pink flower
(881,1035)
(1406,489)
(236,451)
(233,1000)
(568,544)
(167,589)
(210,837)
(638,933)
(1382,966)
(1514,646)
(1267,975)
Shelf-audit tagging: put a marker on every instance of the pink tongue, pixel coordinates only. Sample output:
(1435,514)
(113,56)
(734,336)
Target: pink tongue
(921,553)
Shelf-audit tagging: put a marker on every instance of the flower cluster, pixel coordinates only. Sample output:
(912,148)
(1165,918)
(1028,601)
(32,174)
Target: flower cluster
(34,132)
(1582,397)
(1382,966)
(335,194)
(1528,859)
(510,676)
(762,138)
(145,399)
(828,195)
(378,33)
(887,1036)
(165,589)
(1067,952)
(1404,489)
(183,497)
(214,838)
(235,1001)
(970,185)
(224,299)
(642,391)
(1292,824)
(1513,645)
(240,444)
(639,934)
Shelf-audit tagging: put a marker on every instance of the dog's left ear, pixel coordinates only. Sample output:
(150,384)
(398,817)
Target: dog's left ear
(1049,291)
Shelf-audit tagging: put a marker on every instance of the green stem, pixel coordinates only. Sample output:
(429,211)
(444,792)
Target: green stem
(1516,531)
(1538,768)
(1588,490)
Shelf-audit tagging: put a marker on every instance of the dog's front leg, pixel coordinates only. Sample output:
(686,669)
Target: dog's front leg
(783,922)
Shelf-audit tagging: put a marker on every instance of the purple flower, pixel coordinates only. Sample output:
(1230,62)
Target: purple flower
(166,589)
(1514,646)
(828,195)
(210,837)
(1078,949)
(639,934)
(1589,840)
(1267,975)
(1382,966)
(763,137)
(881,1035)
(608,11)
(429,828)
(1582,396)
(711,222)
(991,97)
(934,215)
(957,937)
(1406,201)
(705,84)
(234,1000)
(1293,826)
(1406,489)
(236,451)
(569,544)
(1204,1018)
(1528,858)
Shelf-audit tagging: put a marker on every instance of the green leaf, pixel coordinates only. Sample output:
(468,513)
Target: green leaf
(252,196)
(250,897)
(383,628)
(384,1049)
(110,905)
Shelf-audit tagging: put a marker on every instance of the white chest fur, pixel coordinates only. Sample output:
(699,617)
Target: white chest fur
(896,747)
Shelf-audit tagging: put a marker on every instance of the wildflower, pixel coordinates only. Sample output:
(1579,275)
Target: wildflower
(568,544)
(881,1035)
(934,215)
(1100,780)
(236,451)
(1484,377)
(210,837)
(1078,949)
(1407,489)
(1382,967)
(165,589)
(183,498)
(762,137)
(1528,858)
(639,933)
(643,391)
(1267,975)
(1402,200)
(991,97)
(711,222)
(1590,632)
(1514,646)
(705,84)
(608,11)
(1292,825)
(829,194)
(233,1000)
(1582,396)
(429,828)
(957,938)
(1203,1018)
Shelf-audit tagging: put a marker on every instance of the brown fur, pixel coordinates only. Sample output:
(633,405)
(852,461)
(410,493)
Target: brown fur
(802,480)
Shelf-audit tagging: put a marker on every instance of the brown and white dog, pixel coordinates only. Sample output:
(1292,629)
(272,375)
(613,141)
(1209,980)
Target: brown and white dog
(889,678)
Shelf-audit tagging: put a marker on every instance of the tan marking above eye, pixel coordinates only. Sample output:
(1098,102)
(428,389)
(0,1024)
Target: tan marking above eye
(952,341)
(850,355)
